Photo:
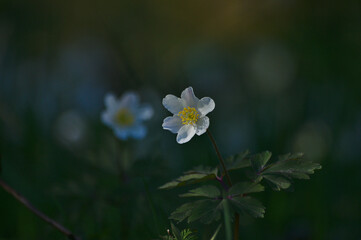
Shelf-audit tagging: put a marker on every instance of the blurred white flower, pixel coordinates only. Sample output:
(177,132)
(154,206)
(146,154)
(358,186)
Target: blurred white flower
(126,115)
(189,115)
(71,128)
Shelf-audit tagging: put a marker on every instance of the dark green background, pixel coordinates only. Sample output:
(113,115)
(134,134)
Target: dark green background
(285,76)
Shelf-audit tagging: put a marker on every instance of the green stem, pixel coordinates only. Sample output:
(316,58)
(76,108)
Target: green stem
(225,173)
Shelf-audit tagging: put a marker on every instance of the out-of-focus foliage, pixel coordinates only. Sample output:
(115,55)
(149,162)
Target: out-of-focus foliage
(284,76)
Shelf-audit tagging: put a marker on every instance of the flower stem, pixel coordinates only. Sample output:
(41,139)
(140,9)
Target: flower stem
(225,173)
(223,184)
(41,215)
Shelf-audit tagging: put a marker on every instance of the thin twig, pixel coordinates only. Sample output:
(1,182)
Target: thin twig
(225,173)
(41,215)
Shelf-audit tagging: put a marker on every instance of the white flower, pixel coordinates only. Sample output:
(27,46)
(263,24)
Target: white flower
(126,115)
(189,114)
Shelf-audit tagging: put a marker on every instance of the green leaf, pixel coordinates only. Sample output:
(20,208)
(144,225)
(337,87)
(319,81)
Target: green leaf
(216,232)
(202,169)
(183,211)
(214,214)
(244,188)
(293,166)
(287,167)
(258,161)
(204,210)
(176,232)
(249,206)
(289,156)
(207,212)
(191,177)
(278,182)
(238,161)
(209,191)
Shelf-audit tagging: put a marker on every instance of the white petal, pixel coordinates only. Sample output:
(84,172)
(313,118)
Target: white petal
(107,118)
(110,100)
(129,99)
(172,124)
(145,112)
(185,133)
(138,131)
(173,104)
(206,105)
(202,125)
(189,97)
(121,133)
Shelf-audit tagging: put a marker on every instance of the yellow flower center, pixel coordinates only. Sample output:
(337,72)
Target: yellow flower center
(124,117)
(188,115)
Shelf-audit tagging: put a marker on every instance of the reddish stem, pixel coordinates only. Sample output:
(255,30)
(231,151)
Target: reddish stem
(41,215)
(225,173)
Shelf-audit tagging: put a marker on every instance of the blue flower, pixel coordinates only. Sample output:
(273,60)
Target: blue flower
(126,115)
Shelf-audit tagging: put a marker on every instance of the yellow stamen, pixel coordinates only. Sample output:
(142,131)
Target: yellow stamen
(188,115)
(124,117)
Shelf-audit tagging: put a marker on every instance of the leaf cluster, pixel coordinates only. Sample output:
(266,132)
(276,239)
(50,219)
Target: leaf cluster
(212,197)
